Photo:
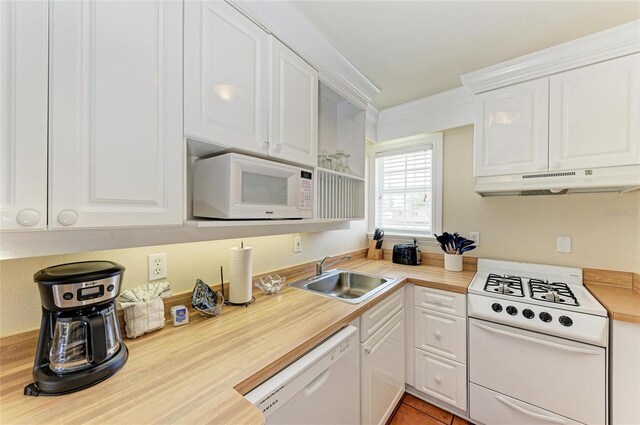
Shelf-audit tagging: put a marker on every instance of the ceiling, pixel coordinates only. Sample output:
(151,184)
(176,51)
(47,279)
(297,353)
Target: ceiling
(412,49)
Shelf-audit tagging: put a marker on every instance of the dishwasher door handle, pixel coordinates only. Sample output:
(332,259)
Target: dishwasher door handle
(313,386)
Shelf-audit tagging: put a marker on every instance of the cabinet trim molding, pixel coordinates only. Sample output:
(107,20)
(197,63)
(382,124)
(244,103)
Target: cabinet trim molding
(615,42)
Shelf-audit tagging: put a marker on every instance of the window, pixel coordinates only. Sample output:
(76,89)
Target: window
(406,186)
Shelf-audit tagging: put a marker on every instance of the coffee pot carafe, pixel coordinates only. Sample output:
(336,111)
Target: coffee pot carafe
(80,342)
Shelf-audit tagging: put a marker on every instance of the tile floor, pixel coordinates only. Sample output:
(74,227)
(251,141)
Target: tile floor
(413,411)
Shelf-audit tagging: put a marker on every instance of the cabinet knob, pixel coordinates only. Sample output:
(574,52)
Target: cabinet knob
(555,165)
(278,148)
(265,146)
(28,217)
(438,379)
(367,350)
(438,334)
(67,217)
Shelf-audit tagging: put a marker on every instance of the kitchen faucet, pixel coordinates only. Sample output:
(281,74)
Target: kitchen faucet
(320,264)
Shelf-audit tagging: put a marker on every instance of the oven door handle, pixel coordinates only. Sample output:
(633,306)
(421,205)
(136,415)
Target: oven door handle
(528,413)
(538,341)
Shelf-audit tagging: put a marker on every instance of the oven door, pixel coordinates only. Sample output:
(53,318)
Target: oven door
(561,376)
(265,189)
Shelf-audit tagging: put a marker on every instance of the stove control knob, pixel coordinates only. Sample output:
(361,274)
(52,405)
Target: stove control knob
(545,317)
(512,310)
(566,321)
(529,314)
(496,307)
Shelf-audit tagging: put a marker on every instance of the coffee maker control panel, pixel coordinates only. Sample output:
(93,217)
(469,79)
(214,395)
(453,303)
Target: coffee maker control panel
(86,293)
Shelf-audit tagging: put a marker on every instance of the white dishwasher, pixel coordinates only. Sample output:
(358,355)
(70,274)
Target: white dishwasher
(322,387)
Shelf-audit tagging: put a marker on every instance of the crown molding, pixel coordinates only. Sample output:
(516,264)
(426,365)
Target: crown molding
(285,21)
(614,42)
(441,111)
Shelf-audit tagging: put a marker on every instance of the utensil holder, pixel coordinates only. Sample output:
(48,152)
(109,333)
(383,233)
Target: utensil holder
(373,253)
(453,263)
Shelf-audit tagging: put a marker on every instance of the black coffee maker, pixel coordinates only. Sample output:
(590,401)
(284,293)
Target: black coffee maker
(80,342)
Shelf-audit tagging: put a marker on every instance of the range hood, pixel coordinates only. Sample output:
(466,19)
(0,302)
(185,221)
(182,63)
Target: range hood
(610,179)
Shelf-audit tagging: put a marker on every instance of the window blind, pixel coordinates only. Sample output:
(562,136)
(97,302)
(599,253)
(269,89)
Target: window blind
(404,190)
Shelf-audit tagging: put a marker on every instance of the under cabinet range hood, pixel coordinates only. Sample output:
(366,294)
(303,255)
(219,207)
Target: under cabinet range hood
(610,179)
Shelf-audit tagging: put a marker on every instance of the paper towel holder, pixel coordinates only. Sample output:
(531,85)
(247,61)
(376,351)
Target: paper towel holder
(227,302)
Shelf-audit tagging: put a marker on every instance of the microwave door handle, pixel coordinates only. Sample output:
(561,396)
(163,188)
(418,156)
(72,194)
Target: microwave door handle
(528,413)
(538,341)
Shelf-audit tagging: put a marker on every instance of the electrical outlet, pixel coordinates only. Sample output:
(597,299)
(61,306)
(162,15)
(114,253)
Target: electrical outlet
(475,236)
(157,266)
(297,243)
(564,244)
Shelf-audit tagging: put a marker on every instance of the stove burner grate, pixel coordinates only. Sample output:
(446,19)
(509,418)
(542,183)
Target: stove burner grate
(505,285)
(553,292)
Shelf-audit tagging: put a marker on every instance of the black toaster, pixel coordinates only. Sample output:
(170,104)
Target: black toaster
(408,254)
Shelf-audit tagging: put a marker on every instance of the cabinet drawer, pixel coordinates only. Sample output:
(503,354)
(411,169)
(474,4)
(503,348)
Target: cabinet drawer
(441,378)
(443,301)
(441,334)
(373,319)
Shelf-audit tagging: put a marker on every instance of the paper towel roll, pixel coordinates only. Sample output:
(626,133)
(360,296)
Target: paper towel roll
(240,278)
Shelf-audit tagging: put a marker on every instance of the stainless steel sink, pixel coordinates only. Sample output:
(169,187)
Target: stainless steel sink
(351,287)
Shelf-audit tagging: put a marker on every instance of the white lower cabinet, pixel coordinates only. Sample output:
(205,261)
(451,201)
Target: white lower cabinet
(439,347)
(382,373)
(441,378)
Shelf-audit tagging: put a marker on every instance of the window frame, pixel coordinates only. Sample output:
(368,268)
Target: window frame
(421,140)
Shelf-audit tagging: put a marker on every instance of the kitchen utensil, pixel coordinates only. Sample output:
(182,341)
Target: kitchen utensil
(378,234)
(80,343)
(270,285)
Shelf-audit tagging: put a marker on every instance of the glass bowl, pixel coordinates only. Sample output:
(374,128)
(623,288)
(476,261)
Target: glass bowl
(270,285)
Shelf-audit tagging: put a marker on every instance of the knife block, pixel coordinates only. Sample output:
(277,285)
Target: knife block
(374,254)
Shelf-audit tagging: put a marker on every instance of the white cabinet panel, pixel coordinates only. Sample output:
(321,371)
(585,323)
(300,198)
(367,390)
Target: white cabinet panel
(115,147)
(294,106)
(226,77)
(595,115)
(625,372)
(382,371)
(373,319)
(23,114)
(441,334)
(443,301)
(441,378)
(511,129)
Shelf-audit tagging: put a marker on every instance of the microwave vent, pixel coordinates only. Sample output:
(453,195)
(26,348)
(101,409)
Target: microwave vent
(544,175)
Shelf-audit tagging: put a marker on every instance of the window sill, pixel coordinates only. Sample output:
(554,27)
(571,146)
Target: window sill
(396,238)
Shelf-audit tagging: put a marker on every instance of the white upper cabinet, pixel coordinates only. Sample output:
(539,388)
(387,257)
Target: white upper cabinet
(294,106)
(244,89)
(23,114)
(511,129)
(226,77)
(595,115)
(115,115)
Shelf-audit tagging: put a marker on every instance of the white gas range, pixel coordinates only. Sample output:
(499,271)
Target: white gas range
(537,346)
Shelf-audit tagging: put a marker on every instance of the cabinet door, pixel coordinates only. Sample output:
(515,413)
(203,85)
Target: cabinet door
(23,114)
(441,334)
(226,77)
(511,129)
(441,378)
(595,115)
(382,371)
(294,106)
(116,144)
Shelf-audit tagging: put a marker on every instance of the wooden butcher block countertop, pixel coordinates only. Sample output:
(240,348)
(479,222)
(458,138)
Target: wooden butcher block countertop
(198,373)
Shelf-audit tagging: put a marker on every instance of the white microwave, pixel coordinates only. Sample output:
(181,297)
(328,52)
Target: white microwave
(234,186)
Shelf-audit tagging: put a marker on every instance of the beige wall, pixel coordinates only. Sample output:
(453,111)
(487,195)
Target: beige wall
(605,227)
(20,301)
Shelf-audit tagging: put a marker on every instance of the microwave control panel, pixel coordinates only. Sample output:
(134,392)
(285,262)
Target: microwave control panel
(306,191)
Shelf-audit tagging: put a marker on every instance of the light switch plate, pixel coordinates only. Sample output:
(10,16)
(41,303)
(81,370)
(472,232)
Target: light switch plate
(475,236)
(297,243)
(564,244)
